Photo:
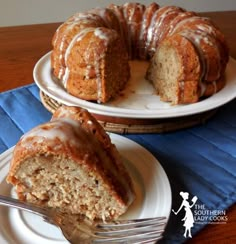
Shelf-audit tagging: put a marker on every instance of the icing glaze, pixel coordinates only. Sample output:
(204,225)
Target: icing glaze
(141,29)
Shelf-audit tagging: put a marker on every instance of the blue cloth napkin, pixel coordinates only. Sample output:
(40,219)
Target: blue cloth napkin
(200,160)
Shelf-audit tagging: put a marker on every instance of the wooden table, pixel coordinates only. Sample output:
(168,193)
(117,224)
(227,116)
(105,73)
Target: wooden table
(22,46)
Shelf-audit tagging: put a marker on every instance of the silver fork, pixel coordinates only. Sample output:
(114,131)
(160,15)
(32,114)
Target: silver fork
(77,230)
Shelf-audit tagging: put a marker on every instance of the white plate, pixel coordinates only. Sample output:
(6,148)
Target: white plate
(140,100)
(151,185)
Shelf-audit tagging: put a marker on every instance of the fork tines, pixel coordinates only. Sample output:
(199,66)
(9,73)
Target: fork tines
(121,224)
(131,231)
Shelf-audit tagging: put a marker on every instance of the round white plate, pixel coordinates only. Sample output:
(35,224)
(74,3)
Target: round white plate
(139,99)
(150,181)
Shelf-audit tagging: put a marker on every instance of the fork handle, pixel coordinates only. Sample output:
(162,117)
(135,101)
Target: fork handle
(12,202)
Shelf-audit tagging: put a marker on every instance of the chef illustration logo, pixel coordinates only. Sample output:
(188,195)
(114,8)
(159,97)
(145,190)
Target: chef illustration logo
(188,218)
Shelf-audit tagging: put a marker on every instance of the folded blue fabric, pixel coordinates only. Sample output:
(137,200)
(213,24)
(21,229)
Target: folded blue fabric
(199,160)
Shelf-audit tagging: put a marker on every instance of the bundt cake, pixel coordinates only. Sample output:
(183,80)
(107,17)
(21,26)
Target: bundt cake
(70,164)
(187,53)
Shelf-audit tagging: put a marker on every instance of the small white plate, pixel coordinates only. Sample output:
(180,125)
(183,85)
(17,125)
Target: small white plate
(139,99)
(151,185)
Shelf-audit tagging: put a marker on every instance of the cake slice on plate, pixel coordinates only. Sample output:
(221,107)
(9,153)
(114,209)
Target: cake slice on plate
(70,164)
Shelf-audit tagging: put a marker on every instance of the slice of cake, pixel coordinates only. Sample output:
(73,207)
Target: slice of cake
(70,163)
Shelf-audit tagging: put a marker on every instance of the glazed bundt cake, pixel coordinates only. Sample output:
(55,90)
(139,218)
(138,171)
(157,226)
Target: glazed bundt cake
(187,53)
(70,164)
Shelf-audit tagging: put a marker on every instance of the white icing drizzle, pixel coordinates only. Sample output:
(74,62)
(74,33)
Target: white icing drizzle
(142,34)
(204,85)
(128,12)
(199,40)
(166,14)
(51,131)
(89,69)
(181,88)
(61,69)
(215,86)
(55,38)
(85,18)
(154,28)
(150,31)
(101,34)
(146,21)
(214,43)
(61,48)
(185,21)
(206,28)
(75,39)
(202,88)
(62,112)
(65,77)
(61,52)
(195,38)
(178,19)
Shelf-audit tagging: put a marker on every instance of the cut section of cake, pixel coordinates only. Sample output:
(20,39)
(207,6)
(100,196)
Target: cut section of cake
(70,164)
(175,71)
